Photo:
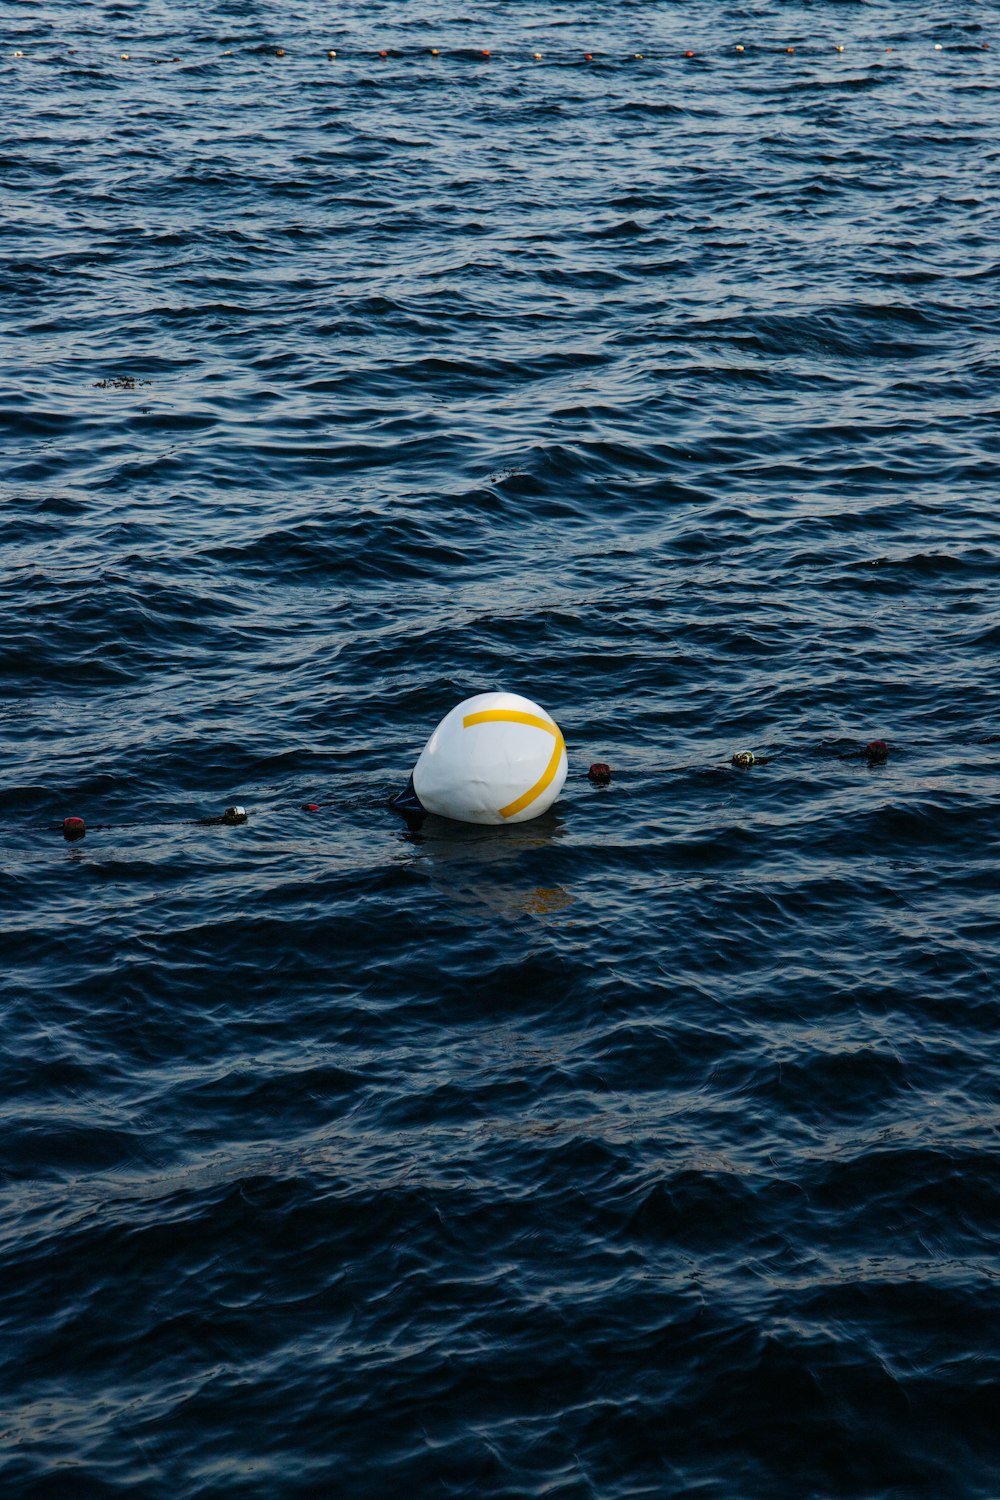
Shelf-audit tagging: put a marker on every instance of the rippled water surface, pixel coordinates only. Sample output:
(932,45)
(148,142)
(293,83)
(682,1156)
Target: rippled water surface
(646,1149)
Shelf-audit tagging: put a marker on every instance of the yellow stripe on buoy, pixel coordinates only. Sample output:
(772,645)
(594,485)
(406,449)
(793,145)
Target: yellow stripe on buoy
(510,716)
(514,716)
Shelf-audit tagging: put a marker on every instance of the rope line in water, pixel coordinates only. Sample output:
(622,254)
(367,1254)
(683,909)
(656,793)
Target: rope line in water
(874,753)
(74,828)
(743,50)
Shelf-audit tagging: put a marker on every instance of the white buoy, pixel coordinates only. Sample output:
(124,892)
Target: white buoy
(496,758)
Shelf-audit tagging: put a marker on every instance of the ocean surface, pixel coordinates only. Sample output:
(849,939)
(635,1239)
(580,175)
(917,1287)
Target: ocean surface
(648,1149)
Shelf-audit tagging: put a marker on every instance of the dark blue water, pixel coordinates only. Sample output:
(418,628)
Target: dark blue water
(647,1149)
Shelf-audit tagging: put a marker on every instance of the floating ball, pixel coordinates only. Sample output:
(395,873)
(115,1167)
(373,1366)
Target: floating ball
(496,758)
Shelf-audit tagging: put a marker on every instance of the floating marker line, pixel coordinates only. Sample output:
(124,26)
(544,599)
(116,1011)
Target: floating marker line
(74,828)
(745,50)
(874,753)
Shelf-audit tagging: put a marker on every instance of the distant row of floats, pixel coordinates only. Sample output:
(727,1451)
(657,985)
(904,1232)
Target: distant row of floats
(563,56)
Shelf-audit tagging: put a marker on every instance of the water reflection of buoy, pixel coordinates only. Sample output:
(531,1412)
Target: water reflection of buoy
(496,758)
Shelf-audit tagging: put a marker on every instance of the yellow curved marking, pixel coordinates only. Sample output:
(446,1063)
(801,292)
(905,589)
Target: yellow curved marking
(515,716)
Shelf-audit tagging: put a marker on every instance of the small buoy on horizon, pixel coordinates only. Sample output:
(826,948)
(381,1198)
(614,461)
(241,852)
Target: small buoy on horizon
(310,807)
(280,52)
(73,829)
(876,752)
(495,758)
(740,48)
(599,773)
(331,54)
